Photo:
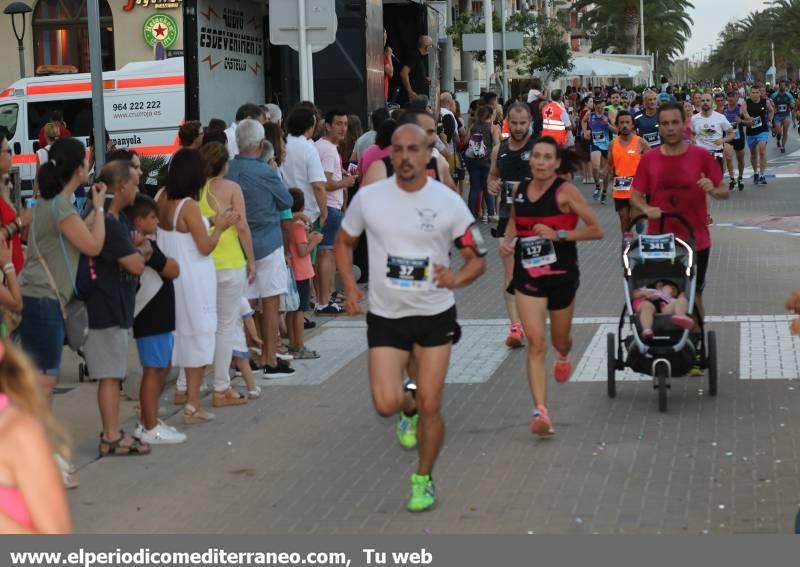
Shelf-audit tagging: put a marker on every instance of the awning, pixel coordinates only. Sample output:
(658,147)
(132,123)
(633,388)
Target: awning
(596,67)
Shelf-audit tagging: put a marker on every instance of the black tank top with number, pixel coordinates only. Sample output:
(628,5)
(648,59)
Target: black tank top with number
(544,211)
(432,167)
(514,166)
(759,112)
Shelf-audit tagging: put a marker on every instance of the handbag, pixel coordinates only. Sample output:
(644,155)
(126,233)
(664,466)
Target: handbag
(292,295)
(74,313)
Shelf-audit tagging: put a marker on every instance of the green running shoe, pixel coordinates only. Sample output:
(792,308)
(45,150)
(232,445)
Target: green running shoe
(697,370)
(407,431)
(423,493)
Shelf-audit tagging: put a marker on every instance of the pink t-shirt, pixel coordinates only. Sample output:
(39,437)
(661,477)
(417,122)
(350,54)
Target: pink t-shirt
(370,156)
(671,184)
(12,504)
(331,163)
(301,265)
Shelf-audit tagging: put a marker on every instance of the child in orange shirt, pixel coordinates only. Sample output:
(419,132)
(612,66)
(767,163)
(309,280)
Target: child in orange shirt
(300,251)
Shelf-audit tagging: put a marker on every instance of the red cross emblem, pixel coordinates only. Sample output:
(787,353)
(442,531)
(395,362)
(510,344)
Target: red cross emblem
(548,112)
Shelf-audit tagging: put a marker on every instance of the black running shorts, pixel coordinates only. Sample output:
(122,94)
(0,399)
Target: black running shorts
(621,204)
(559,293)
(502,225)
(738,145)
(702,268)
(405,332)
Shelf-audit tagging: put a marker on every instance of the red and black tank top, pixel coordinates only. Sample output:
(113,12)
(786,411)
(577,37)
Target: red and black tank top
(544,211)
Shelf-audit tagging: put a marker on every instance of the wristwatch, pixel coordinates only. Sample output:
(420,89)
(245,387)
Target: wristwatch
(562,235)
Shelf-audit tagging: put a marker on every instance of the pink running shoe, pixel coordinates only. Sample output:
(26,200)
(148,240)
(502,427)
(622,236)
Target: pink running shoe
(562,368)
(540,422)
(682,321)
(515,336)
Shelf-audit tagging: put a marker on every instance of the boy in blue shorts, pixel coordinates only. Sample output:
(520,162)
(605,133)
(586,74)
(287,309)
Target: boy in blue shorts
(153,325)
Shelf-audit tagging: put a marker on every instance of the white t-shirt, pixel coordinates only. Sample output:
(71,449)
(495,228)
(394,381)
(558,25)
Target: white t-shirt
(233,147)
(709,130)
(533,95)
(331,163)
(44,154)
(301,168)
(408,233)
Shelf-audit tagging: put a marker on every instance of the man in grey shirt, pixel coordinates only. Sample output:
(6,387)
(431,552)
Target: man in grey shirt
(265,196)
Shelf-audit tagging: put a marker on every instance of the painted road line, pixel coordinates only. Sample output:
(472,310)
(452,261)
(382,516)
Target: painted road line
(768,351)
(337,348)
(592,366)
(478,355)
(361,324)
(756,228)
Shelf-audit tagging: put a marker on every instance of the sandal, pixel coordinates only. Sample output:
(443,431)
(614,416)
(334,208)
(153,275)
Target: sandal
(70,481)
(193,415)
(254,394)
(303,353)
(229,397)
(119,449)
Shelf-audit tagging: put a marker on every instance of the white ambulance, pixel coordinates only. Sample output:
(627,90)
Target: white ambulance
(144,107)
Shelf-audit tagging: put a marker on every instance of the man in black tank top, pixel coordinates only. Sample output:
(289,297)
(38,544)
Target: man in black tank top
(757,115)
(510,165)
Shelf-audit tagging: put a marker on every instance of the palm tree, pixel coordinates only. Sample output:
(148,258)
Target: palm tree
(616,24)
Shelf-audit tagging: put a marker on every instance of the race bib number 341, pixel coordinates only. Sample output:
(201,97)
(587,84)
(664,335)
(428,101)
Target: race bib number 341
(657,247)
(411,274)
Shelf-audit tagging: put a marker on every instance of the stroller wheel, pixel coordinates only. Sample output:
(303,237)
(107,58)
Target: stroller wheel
(661,376)
(612,365)
(711,362)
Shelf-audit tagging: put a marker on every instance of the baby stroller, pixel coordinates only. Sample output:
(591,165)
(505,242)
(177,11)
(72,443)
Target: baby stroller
(670,352)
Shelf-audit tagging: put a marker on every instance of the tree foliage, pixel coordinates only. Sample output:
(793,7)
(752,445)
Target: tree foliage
(544,46)
(615,25)
(750,40)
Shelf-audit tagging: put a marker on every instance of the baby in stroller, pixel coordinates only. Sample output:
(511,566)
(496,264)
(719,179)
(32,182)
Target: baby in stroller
(665,298)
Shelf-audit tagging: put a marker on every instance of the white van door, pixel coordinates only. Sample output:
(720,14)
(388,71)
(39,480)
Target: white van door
(12,120)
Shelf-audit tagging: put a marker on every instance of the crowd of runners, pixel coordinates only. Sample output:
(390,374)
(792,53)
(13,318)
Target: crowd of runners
(218,271)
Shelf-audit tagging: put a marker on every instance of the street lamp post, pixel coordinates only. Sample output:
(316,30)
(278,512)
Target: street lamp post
(14,9)
(487,15)
(641,22)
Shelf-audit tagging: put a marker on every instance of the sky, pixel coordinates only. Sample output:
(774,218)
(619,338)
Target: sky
(710,16)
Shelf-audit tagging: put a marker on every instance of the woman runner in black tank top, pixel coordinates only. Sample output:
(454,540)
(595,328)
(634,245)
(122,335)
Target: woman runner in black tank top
(542,235)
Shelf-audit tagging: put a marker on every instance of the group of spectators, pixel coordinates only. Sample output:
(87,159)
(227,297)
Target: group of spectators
(210,273)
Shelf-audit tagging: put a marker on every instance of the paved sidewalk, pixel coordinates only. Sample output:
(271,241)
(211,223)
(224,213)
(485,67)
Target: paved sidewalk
(313,457)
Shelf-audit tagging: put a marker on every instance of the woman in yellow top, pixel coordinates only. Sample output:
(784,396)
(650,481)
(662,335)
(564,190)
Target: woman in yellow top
(235,265)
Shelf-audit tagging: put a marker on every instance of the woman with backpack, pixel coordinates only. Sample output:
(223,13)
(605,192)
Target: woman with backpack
(483,136)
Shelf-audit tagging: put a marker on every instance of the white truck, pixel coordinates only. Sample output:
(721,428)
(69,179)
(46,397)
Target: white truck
(144,107)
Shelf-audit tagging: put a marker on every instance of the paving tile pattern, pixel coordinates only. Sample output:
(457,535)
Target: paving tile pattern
(315,458)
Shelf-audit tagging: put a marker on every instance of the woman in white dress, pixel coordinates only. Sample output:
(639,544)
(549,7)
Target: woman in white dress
(184,235)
